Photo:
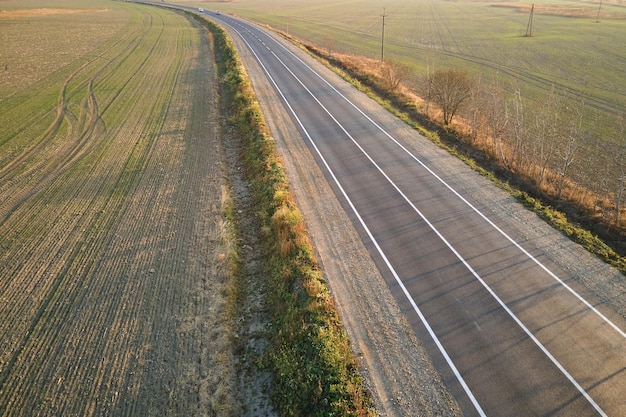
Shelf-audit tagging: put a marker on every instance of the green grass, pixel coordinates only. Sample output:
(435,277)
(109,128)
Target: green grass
(98,110)
(576,54)
(314,372)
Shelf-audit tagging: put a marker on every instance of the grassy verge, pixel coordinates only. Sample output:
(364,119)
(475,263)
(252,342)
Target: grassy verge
(450,141)
(314,372)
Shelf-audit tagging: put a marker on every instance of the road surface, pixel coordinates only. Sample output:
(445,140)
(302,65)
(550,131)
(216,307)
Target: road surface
(510,330)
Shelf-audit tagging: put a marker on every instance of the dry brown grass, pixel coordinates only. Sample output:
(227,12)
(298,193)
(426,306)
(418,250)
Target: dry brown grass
(596,208)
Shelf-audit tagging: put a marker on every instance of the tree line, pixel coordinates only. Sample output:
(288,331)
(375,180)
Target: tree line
(550,141)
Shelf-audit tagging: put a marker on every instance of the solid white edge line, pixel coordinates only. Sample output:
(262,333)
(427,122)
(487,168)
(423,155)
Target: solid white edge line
(438,343)
(456,253)
(470,205)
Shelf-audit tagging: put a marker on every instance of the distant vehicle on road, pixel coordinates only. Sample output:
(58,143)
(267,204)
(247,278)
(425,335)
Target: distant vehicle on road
(200,9)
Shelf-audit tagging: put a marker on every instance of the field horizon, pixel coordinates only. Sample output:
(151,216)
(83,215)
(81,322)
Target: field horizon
(572,48)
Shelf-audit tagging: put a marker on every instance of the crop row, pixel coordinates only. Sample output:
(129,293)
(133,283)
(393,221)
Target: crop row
(94,249)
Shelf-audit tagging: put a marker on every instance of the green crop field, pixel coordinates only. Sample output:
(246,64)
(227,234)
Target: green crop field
(568,74)
(113,278)
(569,50)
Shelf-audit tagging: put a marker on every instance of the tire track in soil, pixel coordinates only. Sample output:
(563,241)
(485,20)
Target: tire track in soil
(74,195)
(6,368)
(61,108)
(141,294)
(82,129)
(60,238)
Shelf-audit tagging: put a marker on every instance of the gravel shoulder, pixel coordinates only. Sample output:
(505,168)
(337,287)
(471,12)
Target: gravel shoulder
(397,370)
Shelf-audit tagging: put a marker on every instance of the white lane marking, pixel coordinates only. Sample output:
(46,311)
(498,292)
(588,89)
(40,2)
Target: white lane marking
(421,316)
(371,236)
(470,205)
(443,239)
(457,194)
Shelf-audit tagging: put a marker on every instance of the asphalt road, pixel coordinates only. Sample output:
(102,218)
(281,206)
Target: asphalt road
(511,332)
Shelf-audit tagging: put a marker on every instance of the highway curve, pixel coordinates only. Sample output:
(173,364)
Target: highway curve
(508,323)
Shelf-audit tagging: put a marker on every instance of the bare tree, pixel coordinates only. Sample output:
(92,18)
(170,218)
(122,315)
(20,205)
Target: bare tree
(423,85)
(545,134)
(393,74)
(621,165)
(450,88)
(566,150)
(496,116)
(476,106)
(518,133)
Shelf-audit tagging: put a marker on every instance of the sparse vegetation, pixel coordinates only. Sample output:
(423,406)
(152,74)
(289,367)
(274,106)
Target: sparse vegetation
(314,373)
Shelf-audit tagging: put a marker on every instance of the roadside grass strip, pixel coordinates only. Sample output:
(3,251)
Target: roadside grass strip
(314,372)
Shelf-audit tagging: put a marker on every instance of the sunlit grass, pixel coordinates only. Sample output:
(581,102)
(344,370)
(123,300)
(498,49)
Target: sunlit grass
(573,54)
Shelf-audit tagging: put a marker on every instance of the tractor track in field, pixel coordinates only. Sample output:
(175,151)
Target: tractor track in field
(114,266)
(22,184)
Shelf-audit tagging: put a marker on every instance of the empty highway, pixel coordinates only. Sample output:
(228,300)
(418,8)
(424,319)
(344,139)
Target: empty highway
(511,332)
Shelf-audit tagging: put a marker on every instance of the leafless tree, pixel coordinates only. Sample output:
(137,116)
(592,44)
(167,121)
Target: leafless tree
(475,107)
(545,134)
(450,88)
(394,73)
(620,159)
(423,85)
(566,149)
(518,133)
(496,115)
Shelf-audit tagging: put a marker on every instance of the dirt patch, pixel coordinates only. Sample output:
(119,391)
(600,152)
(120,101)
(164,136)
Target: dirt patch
(253,318)
(17,14)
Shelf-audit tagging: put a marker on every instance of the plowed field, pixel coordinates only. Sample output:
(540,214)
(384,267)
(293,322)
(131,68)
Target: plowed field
(114,282)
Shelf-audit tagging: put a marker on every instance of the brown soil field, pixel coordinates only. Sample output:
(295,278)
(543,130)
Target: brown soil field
(13,14)
(116,295)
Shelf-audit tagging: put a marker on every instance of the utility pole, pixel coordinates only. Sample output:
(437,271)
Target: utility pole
(598,16)
(382,50)
(529,28)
